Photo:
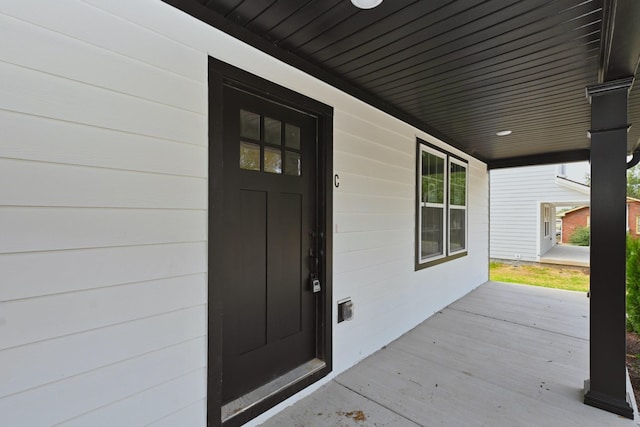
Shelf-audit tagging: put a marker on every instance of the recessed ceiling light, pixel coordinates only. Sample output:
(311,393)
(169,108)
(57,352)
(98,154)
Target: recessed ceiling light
(503,133)
(366,4)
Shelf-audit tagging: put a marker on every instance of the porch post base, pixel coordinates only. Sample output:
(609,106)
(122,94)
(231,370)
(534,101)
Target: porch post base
(605,402)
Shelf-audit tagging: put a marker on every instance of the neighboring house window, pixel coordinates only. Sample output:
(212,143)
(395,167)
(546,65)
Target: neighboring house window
(638,224)
(441,229)
(547,220)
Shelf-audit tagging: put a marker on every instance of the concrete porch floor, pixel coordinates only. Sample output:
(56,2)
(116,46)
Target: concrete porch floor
(503,355)
(577,256)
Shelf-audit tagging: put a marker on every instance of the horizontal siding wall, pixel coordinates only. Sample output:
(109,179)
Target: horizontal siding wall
(374,236)
(104,141)
(103,218)
(516,196)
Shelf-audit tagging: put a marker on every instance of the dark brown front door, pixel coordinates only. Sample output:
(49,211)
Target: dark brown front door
(269,223)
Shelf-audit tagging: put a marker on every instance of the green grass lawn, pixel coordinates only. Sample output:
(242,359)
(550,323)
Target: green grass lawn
(559,277)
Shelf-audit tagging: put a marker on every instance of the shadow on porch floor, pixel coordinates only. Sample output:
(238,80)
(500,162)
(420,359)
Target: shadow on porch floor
(503,355)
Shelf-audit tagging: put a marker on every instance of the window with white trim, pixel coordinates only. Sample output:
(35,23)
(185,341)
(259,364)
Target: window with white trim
(547,220)
(441,209)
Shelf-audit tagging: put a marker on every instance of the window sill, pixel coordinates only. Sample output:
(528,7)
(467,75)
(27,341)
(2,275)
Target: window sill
(426,264)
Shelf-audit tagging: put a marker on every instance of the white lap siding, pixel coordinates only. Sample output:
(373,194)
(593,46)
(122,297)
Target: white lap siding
(103,214)
(103,220)
(517,197)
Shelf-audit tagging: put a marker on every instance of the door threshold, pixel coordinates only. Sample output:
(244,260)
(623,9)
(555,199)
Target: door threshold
(244,403)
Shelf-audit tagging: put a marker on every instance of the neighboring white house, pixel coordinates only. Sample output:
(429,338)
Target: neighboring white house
(107,205)
(523,209)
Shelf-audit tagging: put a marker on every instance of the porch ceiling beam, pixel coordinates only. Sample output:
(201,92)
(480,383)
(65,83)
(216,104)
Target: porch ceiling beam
(620,50)
(541,159)
(620,47)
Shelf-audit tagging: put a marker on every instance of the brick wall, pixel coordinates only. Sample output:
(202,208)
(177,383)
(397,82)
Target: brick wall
(573,220)
(634,212)
(578,218)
